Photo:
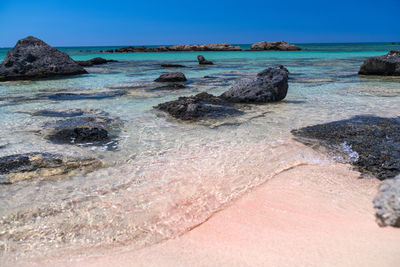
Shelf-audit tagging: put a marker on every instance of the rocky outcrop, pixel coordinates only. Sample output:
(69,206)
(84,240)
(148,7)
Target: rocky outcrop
(172,66)
(176,48)
(95,61)
(371,144)
(171,77)
(387,203)
(387,65)
(19,167)
(32,58)
(200,106)
(270,85)
(278,46)
(203,61)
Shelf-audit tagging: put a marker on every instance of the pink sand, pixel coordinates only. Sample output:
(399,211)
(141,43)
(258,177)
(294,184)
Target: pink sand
(306,216)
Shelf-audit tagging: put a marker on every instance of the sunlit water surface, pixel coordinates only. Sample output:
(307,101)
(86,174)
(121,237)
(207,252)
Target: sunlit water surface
(165,176)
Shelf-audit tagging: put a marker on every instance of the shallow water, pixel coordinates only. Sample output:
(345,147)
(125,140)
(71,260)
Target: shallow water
(165,176)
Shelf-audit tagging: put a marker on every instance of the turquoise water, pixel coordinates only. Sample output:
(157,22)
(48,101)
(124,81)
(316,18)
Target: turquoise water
(166,176)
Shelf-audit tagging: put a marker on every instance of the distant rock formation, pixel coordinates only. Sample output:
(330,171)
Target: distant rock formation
(203,61)
(32,58)
(279,46)
(176,48)
(387,65)
(387,203)
(94,61)
(171,77)
(268,86)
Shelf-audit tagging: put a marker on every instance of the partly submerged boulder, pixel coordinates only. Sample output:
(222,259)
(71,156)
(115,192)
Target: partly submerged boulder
(19,167)
(196,107)
(387,203)
(387,65)
(95,61)
(268,86)
(203,61)
(371,144)
(279,46)
(171,77)
(92,130)
(32,58)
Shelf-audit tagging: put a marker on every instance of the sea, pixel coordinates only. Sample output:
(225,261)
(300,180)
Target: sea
(163,177)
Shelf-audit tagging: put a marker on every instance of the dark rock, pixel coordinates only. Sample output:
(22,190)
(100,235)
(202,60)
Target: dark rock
(387,203)
(270,85)
(172,66)
(197,107)
(80,96)
(387,65)
(279,46)
(32,58)
(64,112)
(82,130)
(203,61)
(19,167)
(171,77)
(371,144)
(94,61)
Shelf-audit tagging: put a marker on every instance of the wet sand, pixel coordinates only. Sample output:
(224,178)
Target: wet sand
(309,215)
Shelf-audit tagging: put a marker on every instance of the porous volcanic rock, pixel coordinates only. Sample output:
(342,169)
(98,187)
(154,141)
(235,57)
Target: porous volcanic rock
(32,58)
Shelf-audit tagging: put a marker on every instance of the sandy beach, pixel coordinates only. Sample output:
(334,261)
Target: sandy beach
(309,215)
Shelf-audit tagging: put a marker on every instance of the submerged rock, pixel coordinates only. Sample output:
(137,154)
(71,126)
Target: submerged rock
(387,203)
(73,112)
(80,96)
(83,130)
(94,61)
(268,86)
(32,58)
(279,46)
(19,167)
(171,77)
(371,144)
(387,65)
(203,61)
(172,66)
(196,107)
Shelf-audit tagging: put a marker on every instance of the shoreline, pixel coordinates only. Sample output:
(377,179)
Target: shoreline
(318,222)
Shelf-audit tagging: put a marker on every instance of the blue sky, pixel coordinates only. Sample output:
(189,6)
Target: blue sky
(121,22)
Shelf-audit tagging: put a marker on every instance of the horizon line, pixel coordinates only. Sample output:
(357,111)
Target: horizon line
(138,45)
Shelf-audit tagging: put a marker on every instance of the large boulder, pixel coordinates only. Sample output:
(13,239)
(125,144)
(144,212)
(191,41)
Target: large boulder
(32,58)
(203,61)
(387,203)
(387,65)
(371,144)
(171,77)
(279,46)
(270,85)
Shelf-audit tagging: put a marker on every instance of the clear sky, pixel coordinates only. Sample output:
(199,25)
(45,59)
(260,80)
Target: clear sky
(122,22)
